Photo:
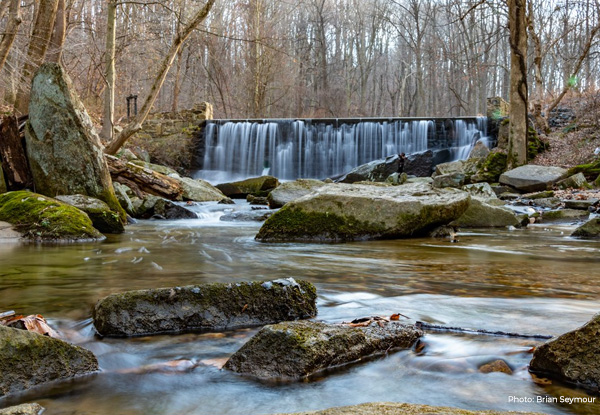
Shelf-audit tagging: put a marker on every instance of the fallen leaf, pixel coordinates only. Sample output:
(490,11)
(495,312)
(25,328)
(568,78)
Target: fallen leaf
(35,323)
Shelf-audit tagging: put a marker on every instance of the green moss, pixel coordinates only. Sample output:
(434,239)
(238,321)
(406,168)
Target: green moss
(590,170)
(535,145)
(42,218)
(491,168)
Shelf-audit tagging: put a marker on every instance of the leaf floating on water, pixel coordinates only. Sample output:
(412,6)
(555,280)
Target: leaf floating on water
(218,363)
(35,323)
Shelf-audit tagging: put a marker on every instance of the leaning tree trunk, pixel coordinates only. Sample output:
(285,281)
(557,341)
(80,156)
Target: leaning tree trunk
(38,45)
(109,91)
(136,124)
(517,136)
(57,40)
(10,33)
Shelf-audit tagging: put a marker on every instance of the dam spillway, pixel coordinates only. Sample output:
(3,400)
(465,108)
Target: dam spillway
(318,148)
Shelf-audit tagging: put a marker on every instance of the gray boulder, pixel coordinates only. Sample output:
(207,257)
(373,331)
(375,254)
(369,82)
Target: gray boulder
(419,164)
(480,214)
(158,208)
(577,181)
(28,359)
(573,357)
(204,307)
(64,152)
(257,186)
(104,219)
(481,191)
(590,229)
(251,216)
(344,212)
(124,195)
(374,171)
(580,204)
(293,350)
(479,151)
(288,191)
(558,214)
(23,409)
(199,190)
(449,180)
(533,178)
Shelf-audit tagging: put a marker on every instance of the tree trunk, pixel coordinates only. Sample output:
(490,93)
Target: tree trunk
(38,45)
(540,121)
(109,92)
(14,161)
(58,34)
(517,136)
(136,124)
(14,20)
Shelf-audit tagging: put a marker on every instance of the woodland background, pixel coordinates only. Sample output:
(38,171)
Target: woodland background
(317,58)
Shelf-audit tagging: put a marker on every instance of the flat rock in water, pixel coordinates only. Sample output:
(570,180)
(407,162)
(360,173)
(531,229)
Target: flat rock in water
(394,408)
(23,409)
(105,220)
(347,212)
(293,350)
(533,178)
(480,214)
(204,307)
(288,191)
(590,229)
(573,357)
(257,186)
(28,359)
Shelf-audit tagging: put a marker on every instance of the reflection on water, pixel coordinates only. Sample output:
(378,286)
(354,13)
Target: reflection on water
(533,281)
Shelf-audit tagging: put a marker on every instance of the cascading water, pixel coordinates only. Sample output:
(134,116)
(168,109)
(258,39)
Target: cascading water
(291,149)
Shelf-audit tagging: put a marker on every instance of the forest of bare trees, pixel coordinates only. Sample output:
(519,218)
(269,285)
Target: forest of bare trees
(306,58)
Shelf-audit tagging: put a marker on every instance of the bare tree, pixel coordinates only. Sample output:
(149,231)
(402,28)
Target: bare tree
(14,20)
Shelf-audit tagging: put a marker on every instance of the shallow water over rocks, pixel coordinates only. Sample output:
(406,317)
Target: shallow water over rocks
(533,281)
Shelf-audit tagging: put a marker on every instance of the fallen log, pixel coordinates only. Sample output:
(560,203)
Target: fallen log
(139,178)
(12,153)
(432,327)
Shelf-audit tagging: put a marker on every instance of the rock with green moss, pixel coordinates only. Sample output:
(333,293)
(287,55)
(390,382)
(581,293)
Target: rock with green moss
(199,190)
(558,214)
(288,191)
(295,350)
(571,357)
(466,168)
(167,171)
(395,408)
(23,409)
(490,169)
(103,219)
(257,186)
(484,215)
(63,149)
(590,229)
(42,218)
(576,181)
(349,212)
(28,359)
(533,178)
(590,170)
(204,307)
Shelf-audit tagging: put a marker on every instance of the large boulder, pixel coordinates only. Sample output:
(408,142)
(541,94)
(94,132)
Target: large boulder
(28,359)
(576,181)
(158,208)
(374,171)
(204,307)
(573,357)
(288,191)
(344,212)
(490,168)
(590,229)
(257,186)
(533,178)
(481,214)
(103,219)
(42,218)
(419,164)
(64,151)
(395,408)
(200,190)
(293,350)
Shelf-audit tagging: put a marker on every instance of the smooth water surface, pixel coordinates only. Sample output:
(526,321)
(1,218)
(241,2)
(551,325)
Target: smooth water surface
(532,281)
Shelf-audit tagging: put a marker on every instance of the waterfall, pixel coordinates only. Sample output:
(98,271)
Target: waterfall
(290,149)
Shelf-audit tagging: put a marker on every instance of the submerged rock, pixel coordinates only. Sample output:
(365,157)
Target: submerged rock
(394,408)
(204,307)
(344,212)
(533,178)
(63,149)
(288,191)
(42,218)
(103,219)
(23,409)
(573,357)
(590,229)
(292,350)
(28,359)
(257,186)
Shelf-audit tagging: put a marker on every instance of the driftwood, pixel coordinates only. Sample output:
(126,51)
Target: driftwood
(142,180)
(432,327)
(14,161)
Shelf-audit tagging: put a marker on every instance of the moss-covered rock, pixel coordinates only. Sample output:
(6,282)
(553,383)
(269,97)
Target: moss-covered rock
(483,215)
(288,191)
(490,169)
(573,357)
(204,307)
(103,219)
(535,145)
(395,408)
(590,229)
(28,359)
(558,214)
(345,212)
(167,171)
(257,186)
(590,170)
(23,409)
(576,181)
(200,190)
(64,151)
(42,218)
(293,350)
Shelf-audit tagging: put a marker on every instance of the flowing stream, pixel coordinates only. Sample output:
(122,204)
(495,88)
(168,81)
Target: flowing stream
(533,281)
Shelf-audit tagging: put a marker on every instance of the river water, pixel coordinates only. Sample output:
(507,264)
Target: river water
(532,281)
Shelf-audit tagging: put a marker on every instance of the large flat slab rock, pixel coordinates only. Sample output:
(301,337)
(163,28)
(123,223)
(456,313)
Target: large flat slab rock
(293,350)
(28,359)
(348,212)
(204,307)
(533,178)
(572,357)
(395,408)
(257,186)
(590,229)
(288,191)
